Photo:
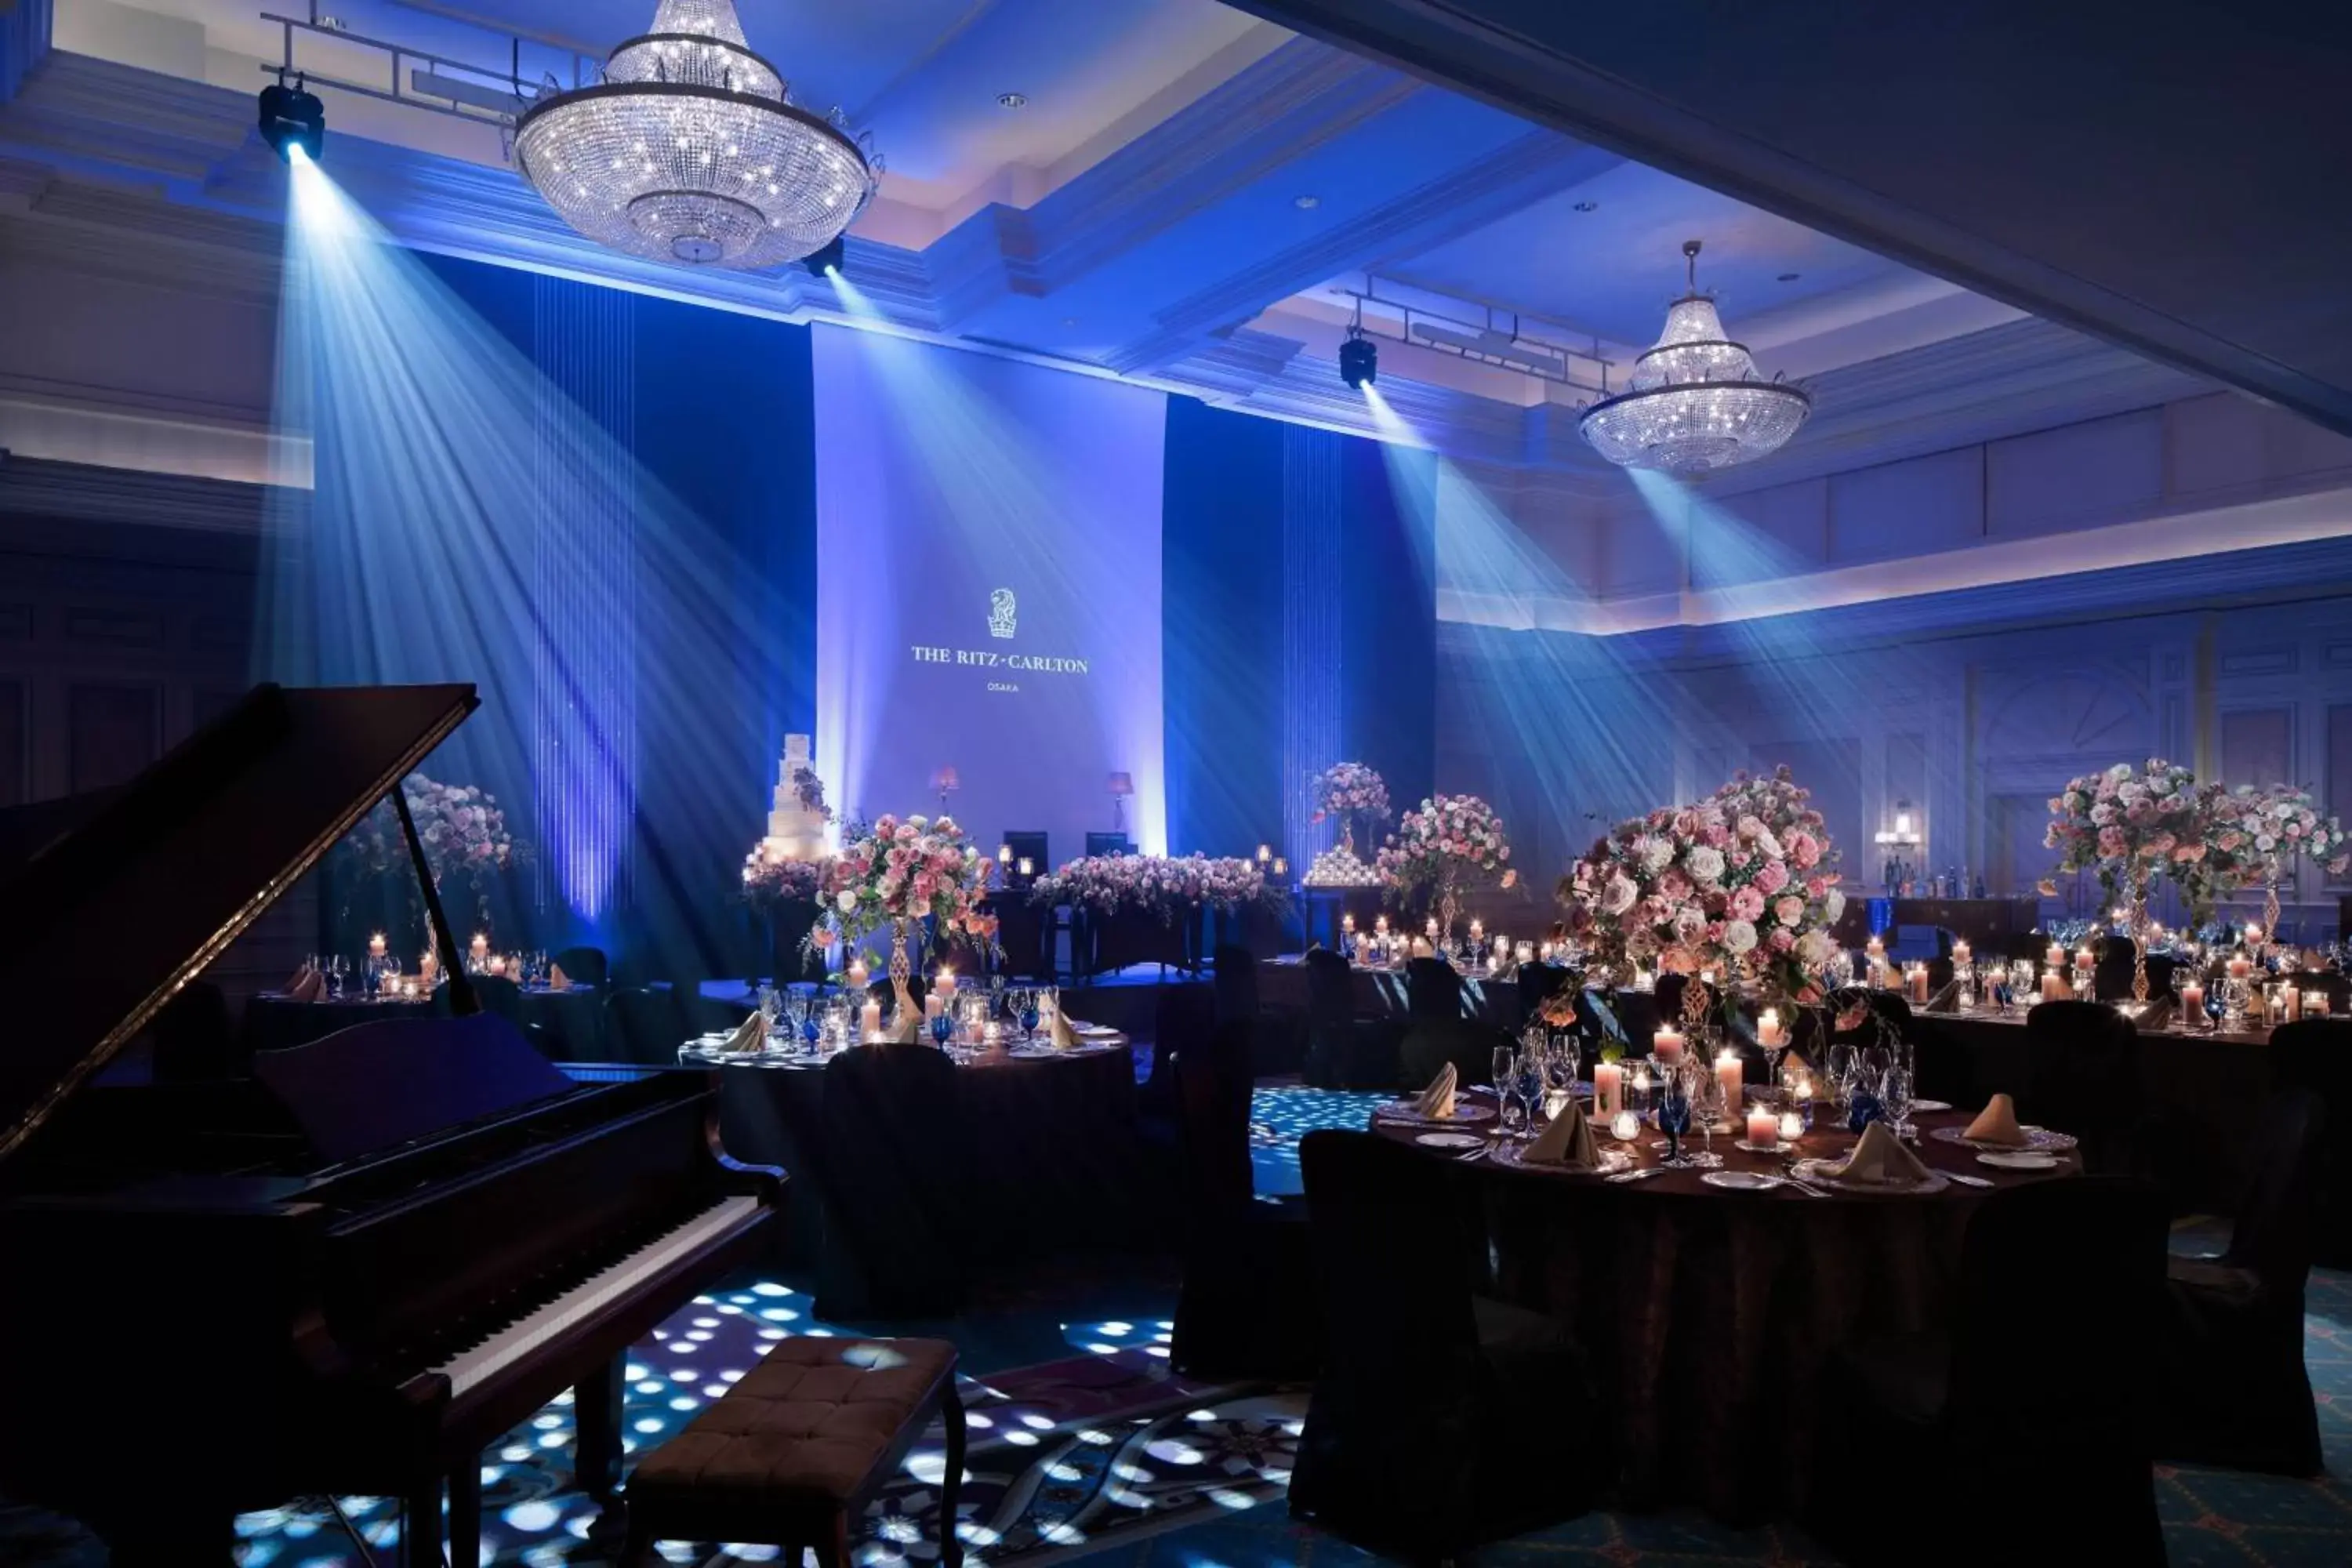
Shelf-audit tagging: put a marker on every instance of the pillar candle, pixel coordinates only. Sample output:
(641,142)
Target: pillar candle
(1608,1091)
(1667,1043)
(375,945)
(2085,958)
(1920,984)
(1478,929)
(2057,959)
(1763,1127)
(869,1020)
(858,975)
(1729,1073)
(2315,1004)
(2192,1003)
(946,983)
(2053,983)
(2240,967)
(480,946)
(1960,953)
(933,1006)
(1769,1031)
(1429,928)
(2290,1005)
(1874,948)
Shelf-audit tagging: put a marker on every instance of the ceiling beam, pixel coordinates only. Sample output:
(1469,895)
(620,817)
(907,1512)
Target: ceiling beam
(2156,173)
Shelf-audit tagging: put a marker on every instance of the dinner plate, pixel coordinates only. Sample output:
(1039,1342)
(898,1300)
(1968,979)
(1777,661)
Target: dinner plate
(1402,1110)
(1741,1181)
(1824,1172)
(1929,1107)
(1096,1031)
(1745,1147)
(1449,1140)
(1513,1156)
(2040,1138)
(2018,1160)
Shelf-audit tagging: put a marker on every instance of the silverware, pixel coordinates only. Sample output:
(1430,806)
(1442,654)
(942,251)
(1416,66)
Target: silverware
(1967,1181)
(1789,1174)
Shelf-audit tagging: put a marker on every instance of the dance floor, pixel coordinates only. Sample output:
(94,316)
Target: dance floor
(1096,1452)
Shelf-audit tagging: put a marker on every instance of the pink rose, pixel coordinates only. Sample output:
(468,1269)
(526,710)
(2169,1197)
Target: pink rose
(1748,903)
(1789,910)
(1772,877)
(1817,887)
(1805,850)
(1781,940)
(2111,840)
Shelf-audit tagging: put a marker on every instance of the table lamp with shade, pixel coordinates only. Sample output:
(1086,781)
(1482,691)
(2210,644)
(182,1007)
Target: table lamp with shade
(1121,786)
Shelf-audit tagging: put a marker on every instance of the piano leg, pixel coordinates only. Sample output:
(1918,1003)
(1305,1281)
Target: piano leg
(596,1405)
(465,1515)
(420,1525)
(952,1483)
(168,1538)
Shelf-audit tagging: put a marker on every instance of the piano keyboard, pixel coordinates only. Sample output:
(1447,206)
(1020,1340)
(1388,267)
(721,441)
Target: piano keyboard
(479,1363)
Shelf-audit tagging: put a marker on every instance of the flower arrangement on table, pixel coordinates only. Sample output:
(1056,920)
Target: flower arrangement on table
(1744,883)
(774,879)
(2134,827)
(461,827)
(1445,841)
(906,871)
(2262,830)
(1164,885)
(1347,791)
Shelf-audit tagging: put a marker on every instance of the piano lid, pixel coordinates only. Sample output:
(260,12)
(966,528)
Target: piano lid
(103,925)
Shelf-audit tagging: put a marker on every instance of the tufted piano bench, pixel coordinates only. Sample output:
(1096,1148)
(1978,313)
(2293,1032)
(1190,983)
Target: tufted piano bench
(790,1454)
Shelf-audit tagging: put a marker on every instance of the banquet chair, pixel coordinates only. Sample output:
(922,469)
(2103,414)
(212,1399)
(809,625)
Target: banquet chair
(1465,1044)
(1181,1016)
(2316,1054)
(498,994)
(584,965)
(1432,991)
(1245,1308)
(2238,1395)
(1236,984)
(1441,1419)
(2060,1290)
(2083,1076)
(646,1024)
(891,1185)
(1342,1050)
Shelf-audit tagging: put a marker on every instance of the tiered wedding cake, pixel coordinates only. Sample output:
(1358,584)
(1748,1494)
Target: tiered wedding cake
(797,818)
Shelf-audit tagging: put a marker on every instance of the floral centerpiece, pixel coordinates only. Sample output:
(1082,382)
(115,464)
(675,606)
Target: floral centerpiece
(461,828)
(2133,826)
(904,871)
(1164,885)
(1439,845)
(1744,883)
(2262,830)
(1347,791)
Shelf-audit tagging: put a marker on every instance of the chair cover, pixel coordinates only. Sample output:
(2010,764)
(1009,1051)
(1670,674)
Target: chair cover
(2316,1054)
(2083,1076)
(892,1184)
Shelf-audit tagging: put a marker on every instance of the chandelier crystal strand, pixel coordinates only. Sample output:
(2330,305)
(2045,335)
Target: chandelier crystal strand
(1697,402)
(690,149)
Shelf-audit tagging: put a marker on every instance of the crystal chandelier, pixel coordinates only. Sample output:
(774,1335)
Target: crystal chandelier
(690,149)
(1697,402)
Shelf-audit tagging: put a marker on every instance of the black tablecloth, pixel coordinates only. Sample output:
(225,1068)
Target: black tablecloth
(1706,1315)
(1058,1158)
(570,1023)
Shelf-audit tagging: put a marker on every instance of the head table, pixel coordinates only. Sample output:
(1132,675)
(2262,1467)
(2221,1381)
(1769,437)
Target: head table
(1050,1135)
(1708,1314)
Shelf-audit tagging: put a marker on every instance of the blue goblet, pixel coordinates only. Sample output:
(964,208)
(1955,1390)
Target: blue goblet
(942,1030)
(1029,1020)
(1862,1110)
(1674,1118)
(811,1030)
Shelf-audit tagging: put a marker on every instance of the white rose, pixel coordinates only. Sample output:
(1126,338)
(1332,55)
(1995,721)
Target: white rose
(1617,897)
(1705,865)
(1738,937)
(848,901)
(1833,906)
(1814,947)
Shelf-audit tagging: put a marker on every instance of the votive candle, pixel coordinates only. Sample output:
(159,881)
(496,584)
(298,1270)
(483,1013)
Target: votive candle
(2315,1004)
(946,984)
(375,945)
(933,1006)
(857,974)
(1769,1029)
(1792,1126)
(480,946)
(1025,867)
(1763,1127)
(1626,1126)
(869,1020)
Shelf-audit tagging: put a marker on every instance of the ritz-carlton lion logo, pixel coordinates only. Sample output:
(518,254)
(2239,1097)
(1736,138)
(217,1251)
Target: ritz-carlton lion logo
(1001,617)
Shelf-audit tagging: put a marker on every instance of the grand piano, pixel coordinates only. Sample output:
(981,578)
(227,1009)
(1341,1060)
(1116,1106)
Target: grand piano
(353,1268)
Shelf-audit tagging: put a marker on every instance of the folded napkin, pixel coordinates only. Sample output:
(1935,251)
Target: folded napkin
(1997,1123)
(556,979)
(1061,1034)
(1566,1141)
(1881,1160)
(301,977)
(1437,1100)
(427,966)
(751,1034)
(1948,1000)
(311,988)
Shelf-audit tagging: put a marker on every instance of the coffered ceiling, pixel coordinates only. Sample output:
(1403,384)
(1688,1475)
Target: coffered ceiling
(1187,196)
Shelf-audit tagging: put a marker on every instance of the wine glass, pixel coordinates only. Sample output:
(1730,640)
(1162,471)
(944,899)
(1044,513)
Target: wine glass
(337,967)
(1896,1094)
(1673,1115)
(1505,1069)
(1562,1064)
(1529,1078)
(1029,1013)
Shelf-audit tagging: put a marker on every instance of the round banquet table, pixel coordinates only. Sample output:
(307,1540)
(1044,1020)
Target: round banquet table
(570,1021)
(1708,1314)
(1053,1140)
